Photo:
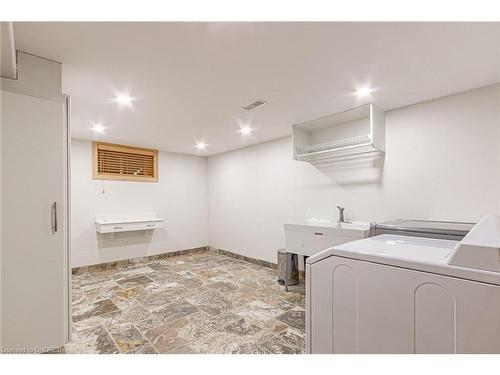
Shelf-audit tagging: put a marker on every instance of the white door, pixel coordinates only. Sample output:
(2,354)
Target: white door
(35,312)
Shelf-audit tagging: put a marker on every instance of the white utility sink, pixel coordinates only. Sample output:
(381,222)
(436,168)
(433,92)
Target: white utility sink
(310,236)
(332,227)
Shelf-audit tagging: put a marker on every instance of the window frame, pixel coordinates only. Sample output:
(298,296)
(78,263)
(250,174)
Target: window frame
(96,145)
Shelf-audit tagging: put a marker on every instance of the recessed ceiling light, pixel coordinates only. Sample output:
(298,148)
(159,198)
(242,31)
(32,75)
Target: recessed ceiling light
(123,99)
(363,92)
(200,145)
(245,130)
(98,128)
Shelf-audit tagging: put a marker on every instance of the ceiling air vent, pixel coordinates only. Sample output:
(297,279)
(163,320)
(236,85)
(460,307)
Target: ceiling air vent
(255,104)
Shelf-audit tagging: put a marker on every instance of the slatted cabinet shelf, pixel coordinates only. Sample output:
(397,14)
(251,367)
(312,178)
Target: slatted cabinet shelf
(356,131)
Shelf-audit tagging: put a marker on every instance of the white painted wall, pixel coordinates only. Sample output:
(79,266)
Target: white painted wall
(442,163)
(180,197)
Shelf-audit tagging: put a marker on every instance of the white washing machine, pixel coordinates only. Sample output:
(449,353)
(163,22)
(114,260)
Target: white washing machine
(401,294)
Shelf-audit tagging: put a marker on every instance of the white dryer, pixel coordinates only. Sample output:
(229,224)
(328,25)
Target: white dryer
(400,294)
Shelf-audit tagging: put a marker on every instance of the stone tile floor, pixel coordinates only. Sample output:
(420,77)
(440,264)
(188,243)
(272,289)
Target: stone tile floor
(195,303)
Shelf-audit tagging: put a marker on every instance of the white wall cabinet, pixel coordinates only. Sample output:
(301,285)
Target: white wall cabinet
(355,131)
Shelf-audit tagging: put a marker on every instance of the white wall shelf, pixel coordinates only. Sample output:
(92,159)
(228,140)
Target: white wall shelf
(113,223)
(355,131)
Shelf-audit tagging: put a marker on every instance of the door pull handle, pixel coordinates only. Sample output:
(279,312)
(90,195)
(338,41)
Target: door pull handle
(54,217)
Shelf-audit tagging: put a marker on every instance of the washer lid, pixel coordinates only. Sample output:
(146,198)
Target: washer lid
(409,249)
(416,253)
(426,226)
(390,248)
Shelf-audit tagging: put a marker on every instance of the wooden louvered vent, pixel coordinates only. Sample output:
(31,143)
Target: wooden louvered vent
(119,162)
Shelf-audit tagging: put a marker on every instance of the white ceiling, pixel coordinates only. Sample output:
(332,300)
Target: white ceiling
(190,80)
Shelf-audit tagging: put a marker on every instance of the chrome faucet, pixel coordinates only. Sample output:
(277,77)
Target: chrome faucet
(341,214)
